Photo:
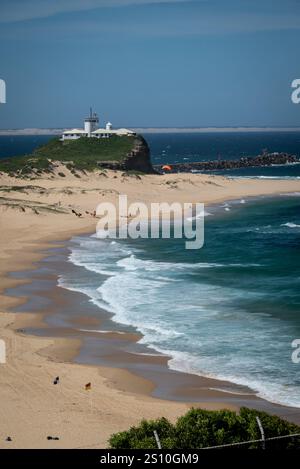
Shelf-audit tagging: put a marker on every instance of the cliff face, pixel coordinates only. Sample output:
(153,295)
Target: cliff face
(138,159)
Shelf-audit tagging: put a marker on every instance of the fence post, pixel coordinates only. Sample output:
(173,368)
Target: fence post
(157,439)
(261,429)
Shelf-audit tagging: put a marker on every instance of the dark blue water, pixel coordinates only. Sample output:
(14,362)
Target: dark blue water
(174,148)
(21,144)
(230,310)
(177,148)
(180,147)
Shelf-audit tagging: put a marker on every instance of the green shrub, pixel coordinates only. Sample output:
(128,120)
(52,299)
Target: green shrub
(273,426)
(201,428)
(143,436)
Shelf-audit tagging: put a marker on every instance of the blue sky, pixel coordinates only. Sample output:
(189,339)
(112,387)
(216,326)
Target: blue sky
(149,63)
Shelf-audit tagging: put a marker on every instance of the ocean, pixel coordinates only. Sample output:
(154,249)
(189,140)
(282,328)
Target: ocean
(229,310)
(188,147)
(14,145)
(185,148)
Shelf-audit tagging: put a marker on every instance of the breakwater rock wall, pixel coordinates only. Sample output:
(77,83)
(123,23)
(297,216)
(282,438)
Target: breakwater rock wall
(266,159)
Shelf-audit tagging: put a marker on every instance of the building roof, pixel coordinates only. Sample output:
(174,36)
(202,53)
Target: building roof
(100,131)
(75,131)
(124,131)
(113,131)
(103,131)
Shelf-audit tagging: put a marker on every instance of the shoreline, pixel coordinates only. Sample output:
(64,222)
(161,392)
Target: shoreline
(42,358)
(56,355)
(145,355)
(138,372)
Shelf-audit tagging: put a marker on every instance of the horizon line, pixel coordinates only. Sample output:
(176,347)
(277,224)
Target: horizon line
(150,129)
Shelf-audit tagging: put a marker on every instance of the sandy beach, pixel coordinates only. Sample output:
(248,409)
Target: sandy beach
(36,212)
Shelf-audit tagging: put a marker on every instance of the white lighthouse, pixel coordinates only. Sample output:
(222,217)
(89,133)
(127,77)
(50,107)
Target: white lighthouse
(91,130)
(91,123)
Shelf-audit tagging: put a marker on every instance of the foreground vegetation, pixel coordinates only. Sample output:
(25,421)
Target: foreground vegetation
(81,154)
(201,428)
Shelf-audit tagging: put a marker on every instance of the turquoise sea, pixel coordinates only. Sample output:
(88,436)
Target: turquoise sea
(229,310)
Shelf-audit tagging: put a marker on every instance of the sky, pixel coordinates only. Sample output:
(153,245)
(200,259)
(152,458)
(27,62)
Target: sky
(149,63)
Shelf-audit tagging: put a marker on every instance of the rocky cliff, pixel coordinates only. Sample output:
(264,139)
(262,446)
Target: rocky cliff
(137,159)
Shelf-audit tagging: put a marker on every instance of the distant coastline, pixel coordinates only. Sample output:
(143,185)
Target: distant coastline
(58,131)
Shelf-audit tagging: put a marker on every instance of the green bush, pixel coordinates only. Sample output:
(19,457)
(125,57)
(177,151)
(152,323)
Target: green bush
(143,436)
(273,426)
(201,428)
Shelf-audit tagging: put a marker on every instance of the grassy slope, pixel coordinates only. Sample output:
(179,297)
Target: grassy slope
(83,153)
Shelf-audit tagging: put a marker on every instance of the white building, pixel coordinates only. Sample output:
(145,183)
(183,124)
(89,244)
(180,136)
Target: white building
(91,130)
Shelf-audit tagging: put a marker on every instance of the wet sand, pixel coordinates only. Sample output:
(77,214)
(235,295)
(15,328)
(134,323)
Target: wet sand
(45,341)
(66,314)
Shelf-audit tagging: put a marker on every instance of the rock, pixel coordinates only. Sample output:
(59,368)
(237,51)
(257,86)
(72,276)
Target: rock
(265,159)
(137,160)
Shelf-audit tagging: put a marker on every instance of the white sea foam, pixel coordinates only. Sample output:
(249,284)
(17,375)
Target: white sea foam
(291,225)
(203,213)
(134,263)
(275,392)
(207,336)
(290,194)
(264,177)
(99,331)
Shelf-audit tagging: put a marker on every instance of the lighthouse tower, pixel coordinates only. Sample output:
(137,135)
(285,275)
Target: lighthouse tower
(91,123)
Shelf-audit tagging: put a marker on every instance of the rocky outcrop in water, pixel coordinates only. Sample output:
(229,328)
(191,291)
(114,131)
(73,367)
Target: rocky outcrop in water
(265,159)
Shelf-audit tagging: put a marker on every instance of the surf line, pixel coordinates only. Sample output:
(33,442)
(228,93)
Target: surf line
(134,221)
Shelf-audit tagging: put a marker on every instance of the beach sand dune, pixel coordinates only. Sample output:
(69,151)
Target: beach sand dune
(34,212)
